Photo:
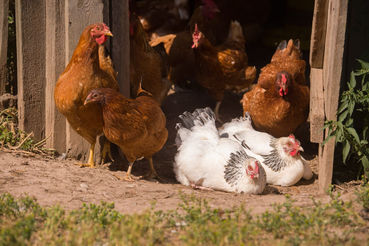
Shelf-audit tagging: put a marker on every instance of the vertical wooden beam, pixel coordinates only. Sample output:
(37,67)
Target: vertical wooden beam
(79,14)
(318,33)
(4,9)
(120,49)
(30,31)
(317,115)
(55,57)
(332,71)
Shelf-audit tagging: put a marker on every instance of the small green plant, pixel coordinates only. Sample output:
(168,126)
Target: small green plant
(354,102)
(14,140)
(24,222)
(363,196)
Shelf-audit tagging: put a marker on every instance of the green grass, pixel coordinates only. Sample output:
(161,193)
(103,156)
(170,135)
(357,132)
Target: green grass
(24,222)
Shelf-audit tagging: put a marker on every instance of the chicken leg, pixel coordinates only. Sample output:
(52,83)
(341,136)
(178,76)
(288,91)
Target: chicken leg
(106,150)
(128,176)
(152,173)
(216,112)
(90,162)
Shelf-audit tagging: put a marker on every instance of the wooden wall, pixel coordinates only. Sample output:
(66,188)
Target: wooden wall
(47,34)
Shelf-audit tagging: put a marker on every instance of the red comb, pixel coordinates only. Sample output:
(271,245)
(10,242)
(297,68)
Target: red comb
(291,136)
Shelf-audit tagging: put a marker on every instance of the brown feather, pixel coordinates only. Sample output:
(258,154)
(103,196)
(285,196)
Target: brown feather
(82,74)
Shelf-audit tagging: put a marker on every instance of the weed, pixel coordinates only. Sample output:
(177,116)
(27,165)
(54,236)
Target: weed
(353,102)
(194,222)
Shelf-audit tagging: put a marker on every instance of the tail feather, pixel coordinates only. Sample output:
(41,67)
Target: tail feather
(282,45)
(200,114)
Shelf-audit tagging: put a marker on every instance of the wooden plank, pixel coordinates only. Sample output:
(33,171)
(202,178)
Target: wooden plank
(318,32)
(79,14)
(55,57)
(31,54)
(332,70)
(4,9)
(120,44)
(317,116)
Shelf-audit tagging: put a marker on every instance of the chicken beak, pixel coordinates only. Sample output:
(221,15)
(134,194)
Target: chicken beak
(255,176)
(301,149)
(108,33)
(86,101)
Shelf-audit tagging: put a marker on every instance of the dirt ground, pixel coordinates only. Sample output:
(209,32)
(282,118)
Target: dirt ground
(56,181)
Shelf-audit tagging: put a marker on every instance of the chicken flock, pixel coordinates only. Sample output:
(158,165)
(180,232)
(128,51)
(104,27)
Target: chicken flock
(203,47)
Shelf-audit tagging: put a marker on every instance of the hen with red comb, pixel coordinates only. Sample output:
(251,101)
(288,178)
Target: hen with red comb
(280,157)
(204,160)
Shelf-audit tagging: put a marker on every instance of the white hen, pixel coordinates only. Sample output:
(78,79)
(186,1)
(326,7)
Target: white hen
(280,157)
(206,161)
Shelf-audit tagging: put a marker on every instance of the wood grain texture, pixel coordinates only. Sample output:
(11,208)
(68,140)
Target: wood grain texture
(55,57)
(317,115)
(4,9)
(318,32)
(332,71)
(31,54)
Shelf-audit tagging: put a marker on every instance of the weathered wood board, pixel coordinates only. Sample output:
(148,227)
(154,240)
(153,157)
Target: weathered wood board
(4,9)
(332,71)
(31,59)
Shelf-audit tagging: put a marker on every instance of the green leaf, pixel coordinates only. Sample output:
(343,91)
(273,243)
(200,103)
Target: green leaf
(349,122)
(346,150)
(365,162)
(353,132)
(352,80)
(364,64)
(351,107)
(327,139)
(342,107)
(343,116)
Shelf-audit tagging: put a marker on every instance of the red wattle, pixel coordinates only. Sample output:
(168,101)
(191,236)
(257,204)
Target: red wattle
(102,39)
(294,152)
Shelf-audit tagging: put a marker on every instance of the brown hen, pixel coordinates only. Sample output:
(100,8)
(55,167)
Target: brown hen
(223,67)
(137,126)
(287,57)
(280,109)
(178,46)
(145,60)
(82,74)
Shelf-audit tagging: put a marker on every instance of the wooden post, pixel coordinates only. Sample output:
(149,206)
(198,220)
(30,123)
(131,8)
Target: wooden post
(120,44)
(30,31)
(55,57)
(317,47)
(332,71)
(4,9)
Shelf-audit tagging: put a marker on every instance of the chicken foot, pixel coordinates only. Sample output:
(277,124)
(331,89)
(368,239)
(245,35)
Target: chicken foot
(152,173)
(193,186)
(90,162)
(106,150)
(128,176)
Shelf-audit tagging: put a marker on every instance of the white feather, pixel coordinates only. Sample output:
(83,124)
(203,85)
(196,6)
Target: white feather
(203,156)
(258,145)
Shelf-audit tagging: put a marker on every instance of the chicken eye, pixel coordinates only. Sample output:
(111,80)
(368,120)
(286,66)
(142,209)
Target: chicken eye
(98,28)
